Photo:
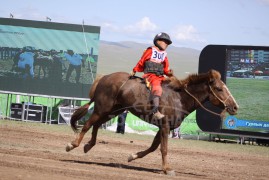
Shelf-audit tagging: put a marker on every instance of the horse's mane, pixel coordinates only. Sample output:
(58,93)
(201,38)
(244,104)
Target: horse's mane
(177,84)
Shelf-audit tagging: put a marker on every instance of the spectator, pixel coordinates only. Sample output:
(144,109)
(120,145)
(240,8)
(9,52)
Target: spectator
(176,133)
(16,59)
(63,60)
(26,63)
(121,122)
(75,61)
(56,71)
(89,60)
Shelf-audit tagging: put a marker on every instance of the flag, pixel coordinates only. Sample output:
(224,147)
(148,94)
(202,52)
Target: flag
(48,19)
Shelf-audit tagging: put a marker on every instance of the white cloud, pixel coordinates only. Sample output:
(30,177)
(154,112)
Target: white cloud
(142,26)
(142,30)
(265,2)
(187,33)
(110,26)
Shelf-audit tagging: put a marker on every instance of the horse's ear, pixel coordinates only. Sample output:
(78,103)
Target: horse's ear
(213,75)
(211,81)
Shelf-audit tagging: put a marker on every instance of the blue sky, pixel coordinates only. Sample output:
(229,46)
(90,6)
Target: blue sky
(190,23)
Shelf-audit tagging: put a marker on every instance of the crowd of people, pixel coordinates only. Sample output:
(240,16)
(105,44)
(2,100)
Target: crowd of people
(53,63)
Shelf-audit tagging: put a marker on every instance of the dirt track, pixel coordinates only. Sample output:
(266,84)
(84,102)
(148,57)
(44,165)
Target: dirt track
(33,151)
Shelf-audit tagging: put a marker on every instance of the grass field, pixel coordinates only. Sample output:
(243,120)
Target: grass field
(252,95)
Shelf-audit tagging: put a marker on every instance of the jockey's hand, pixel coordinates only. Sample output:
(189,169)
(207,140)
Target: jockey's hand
(170,73)
(132,73)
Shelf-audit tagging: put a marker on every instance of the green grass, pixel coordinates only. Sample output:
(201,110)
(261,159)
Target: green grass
(54,103)
(252,95)
(37,126)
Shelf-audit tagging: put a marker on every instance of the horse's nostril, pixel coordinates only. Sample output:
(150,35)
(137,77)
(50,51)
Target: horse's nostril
(235,108)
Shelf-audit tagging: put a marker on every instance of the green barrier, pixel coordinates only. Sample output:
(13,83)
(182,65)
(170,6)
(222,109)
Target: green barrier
(188,126)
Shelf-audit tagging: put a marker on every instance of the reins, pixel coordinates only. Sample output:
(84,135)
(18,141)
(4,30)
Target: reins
(185,89)
(130,77)
(121,87)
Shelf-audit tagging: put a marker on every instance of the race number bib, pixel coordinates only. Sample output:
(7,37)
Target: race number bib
(157,55)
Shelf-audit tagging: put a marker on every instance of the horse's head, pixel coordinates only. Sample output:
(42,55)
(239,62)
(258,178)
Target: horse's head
(219,94)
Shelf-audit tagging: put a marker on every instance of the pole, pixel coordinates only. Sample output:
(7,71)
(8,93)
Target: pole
(7,104)
(87,49)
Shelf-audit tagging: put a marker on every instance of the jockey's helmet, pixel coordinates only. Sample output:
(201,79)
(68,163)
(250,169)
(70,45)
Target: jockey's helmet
(162,36)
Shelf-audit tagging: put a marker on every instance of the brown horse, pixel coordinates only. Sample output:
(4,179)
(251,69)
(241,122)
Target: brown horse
(114,93)
(44,63)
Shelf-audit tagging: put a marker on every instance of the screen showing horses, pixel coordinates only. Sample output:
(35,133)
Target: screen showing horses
(47,58)
(247,77)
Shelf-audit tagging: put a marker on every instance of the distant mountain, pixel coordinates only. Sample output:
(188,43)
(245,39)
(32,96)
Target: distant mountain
(123,56)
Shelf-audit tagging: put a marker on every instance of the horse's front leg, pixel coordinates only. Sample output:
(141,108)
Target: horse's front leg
(156,142)
(164,148)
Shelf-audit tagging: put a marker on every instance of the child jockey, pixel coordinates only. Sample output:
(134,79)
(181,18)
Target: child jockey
(154,63)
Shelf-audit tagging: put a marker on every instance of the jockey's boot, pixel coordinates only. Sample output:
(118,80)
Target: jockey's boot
(156,112)
(158,115)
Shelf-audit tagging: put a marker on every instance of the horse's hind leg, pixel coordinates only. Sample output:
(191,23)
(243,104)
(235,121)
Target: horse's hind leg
(156,142)
(92,142)
(96,126)
(91,121)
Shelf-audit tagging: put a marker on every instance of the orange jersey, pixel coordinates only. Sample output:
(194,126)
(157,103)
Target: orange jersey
(155,55)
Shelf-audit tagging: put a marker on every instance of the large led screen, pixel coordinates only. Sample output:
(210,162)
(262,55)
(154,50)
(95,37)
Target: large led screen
(245,70)
(46,58)
(247,76)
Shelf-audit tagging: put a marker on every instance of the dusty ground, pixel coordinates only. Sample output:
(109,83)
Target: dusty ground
(37,151)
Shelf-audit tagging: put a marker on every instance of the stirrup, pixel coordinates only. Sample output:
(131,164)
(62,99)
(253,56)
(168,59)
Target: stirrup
(158,115)
(147,84)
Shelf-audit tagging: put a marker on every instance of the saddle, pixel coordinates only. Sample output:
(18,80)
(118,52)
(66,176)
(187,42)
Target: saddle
(143,81)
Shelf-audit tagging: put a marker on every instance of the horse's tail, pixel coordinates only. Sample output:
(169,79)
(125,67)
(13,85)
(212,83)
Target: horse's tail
(94,85)
(78,114)
(83,110)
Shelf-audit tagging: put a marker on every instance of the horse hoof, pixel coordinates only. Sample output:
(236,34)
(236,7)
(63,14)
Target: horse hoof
(132,157)
(69,147)
(87,147)
(170,173)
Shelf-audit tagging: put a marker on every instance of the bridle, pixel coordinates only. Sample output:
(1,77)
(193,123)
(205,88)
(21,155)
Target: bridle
(223,102)
(212,112)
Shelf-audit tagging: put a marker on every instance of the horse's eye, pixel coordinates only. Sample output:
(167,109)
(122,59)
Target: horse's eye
(218,89)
